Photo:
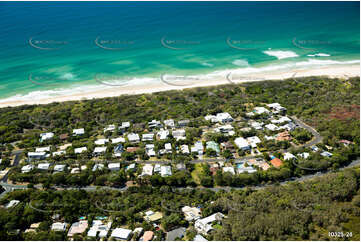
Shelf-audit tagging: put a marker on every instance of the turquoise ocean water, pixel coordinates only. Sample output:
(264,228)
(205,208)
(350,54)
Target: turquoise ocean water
(55,48)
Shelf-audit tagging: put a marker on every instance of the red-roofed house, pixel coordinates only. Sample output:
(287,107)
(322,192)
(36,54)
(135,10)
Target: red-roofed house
(276,162)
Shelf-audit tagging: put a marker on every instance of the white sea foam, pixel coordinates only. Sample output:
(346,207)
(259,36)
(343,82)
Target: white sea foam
(281,54)
(319,54)
(207,64)
(241,63)
(83,88)
(68,76)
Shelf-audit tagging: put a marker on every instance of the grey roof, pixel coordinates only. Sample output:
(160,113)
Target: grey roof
(176,233)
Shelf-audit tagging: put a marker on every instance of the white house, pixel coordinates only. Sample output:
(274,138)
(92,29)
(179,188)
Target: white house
(77,132)
(157,168)
(168,147)
(204,225)
(154,124)
(191,213)
(149,149)
(163,134)
(43,149)
(242,143)
(169,123)
(288,156)
(58,153)
(75,170)
(12,203)
(121,234)
(185,149)
(165,171)
(118,140)
(110,128)
(100,150)
(27,168)
(133,138)
(224,117)
(59,168)
(80,150)
(276,107)
(114,166)
(257,125)
(253,141)
(44,166)
(59,226)
(101,141)
(197,148)
(179,134)
(46,136)
(98,167)
(147,137)
(125,125)
(326,154)
(36,155)
(229,169)
(304,155)
(271,127)
(147,170)
(99,229)
(261,110)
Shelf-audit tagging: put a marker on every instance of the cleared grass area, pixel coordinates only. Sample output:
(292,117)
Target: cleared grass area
(197,173)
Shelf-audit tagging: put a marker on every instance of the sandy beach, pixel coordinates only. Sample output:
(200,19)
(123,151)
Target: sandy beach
(220,78)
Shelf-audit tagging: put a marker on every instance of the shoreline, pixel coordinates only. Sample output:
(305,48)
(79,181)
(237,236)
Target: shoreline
(214,79)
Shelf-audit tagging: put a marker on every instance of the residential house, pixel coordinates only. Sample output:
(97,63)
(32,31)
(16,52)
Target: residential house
(242,143)
(58,226)
(121,234)
(204,225)
(130,167)
(183,123)
(213,146)
(118,150)
(179,134)
(149,149)
(78,228)
(99,150)
(283,119)
(157,168)
(176,234)
(80,150)
(125,125)
(101,141)
(46,136)
(75,170)
(165,171)
(224,117)
(191,213)
(225,129)
(181,167)
(27,168)
(242,168)
(256,125)
(98,167)
(59,153)
(133,138)
(228,146)
(138,232)
(132,149)
(147,137)
(229,169)
(288,156)
(184,149)
(261,110)
(163,134)
(169,123)
(283,136)
(114,166)
(253,141)
(36,156)
(326,154)
(118,140)
(289,126)
(197,148)
(77,132)
(43,166)
(276,162)
(151,216)
(271,127)
(168,147)
(59,168)
(63,136)
(109,128)
(199,237)
(148,236)
(276,108)
(304,155)
(12,203)
(154,124)
(147,170)
(99,229)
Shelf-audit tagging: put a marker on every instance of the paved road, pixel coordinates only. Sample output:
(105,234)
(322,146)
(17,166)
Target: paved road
(317,137)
